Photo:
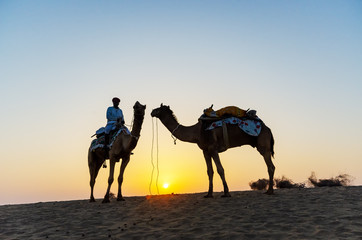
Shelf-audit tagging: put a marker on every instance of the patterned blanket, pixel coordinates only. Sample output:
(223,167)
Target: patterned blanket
(249,126)
(99,142)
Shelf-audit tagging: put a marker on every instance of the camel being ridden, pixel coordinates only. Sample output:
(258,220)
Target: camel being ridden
(121,148)
(212,142)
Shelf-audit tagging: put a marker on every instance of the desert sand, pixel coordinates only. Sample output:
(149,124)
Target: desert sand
(310,213)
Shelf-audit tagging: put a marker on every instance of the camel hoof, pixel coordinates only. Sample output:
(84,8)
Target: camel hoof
(226,195)
(106,200)
(92,200)
(119,199)
(269,192)
(208,196)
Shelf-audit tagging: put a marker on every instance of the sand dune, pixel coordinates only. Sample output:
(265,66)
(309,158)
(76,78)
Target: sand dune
(317,213)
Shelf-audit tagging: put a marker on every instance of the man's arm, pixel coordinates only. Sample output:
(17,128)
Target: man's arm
(121,117)
(109,113)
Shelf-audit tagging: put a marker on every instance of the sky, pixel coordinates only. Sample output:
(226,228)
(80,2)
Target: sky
(298,63)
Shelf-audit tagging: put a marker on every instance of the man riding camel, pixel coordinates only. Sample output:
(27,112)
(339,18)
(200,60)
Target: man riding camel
(114,113)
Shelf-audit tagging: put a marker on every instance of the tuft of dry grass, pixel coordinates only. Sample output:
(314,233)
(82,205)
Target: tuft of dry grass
(112,195)
(261,184)
(285,182)
(340,180)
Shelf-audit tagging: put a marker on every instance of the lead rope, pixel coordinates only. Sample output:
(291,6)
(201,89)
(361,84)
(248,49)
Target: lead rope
(173,137)
(153,165)
(158,170)
(152,162)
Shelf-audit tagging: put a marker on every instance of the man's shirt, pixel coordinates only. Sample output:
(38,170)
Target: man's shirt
(114,113)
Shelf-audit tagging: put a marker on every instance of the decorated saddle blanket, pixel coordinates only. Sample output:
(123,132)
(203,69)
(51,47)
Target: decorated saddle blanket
(99,142)
(249,126)
(230,111)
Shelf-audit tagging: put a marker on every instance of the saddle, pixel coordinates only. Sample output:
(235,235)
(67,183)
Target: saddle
(231,111)
(100,135)
(247,120)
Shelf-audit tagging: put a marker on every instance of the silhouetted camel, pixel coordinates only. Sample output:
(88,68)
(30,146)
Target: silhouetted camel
(121,148)
(212,142)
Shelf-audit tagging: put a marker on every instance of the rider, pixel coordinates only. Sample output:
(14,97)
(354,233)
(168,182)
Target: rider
(113,114)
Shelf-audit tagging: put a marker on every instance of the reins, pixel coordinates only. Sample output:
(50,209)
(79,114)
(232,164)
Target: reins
(173,137)
(132,122)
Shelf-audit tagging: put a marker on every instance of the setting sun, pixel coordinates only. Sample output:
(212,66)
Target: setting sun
(166,185)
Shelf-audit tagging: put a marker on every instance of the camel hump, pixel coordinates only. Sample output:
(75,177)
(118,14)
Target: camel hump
(228,111)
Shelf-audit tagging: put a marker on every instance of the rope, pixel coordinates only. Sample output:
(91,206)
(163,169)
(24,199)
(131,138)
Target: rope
(152,162)
(130,126)
(158,170)
(153,165)
(173,137)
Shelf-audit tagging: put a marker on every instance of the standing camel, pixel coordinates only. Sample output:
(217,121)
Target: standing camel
(121,148)
(211,142)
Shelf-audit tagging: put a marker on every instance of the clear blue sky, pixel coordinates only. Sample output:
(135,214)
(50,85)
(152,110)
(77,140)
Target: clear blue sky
(298,63)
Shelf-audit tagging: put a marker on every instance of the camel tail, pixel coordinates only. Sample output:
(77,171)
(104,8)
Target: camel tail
(90,157)
(271,144)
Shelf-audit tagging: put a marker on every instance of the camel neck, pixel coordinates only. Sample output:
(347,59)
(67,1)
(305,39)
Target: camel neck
(137,125)
(183,133)
(187,133)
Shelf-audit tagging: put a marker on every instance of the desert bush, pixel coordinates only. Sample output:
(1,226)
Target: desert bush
(112,195)
(287,183)
(340,180)
(261,184)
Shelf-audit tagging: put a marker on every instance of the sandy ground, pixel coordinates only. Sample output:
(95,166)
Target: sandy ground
(315,213)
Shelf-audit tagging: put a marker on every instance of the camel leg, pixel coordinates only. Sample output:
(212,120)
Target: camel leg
(125,161)
(110,180)
(210,173)
(93,170)
(221,172)
(94,166)
(265,147)
(271,169)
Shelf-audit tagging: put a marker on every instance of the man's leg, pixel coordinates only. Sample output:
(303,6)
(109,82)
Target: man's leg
(106,135)
(106,141)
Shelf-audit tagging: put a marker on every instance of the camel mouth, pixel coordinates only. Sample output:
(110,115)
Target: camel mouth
(154,113)
(139,106)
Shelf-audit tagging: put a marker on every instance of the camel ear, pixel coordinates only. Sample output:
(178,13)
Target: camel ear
(161,104)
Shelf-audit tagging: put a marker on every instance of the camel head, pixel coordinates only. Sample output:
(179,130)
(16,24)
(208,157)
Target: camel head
(163,112)
(139,109)
(158,112)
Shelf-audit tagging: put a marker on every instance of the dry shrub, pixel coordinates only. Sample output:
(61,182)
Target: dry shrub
(287,183)
(340,180)
(112,195)
(261,184)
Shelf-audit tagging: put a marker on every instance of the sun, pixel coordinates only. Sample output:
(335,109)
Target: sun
(166,185)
